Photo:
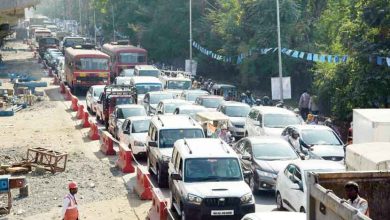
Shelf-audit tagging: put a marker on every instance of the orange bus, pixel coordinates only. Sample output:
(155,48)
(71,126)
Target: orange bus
(84,67)
(124,56)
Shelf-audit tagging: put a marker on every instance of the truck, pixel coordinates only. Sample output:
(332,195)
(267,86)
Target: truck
(47,42)
(370,125)
(112,96)
(368,156)
(326,192)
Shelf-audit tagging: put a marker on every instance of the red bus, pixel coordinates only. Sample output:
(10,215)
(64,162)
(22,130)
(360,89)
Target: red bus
(85,67)
(124,56)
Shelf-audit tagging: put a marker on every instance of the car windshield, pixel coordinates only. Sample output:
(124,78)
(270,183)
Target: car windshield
(141,126)
(143,88)
(320,136)
(154,73)
(280,120)
(92,64)
(212,169)
(273,151)
(170,107)
(98,91)
(132,57)
(127,72)
(156,98)
(211,103)
(177,84)
(237,111)
(169,136)
(129,112)
(73,42)
(123,100)
(192,96)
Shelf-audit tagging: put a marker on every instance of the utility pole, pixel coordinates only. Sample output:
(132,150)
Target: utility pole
(80,25)
(94,24)
(113,19)
(191,36)
(279,51)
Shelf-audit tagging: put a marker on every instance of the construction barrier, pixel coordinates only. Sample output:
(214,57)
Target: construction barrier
(68,94)
(80,111)
(56,80)
(85,121)
(50,72)
(143,187)
(106,143)
(124,159)
(62,87)
(74,100)
(159,206)
(93,133)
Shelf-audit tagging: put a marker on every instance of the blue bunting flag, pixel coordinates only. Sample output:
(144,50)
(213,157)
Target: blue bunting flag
(315,57)
(309,56)
(322,58)
(295,54)
(379,61)
(329,58)
(301,55)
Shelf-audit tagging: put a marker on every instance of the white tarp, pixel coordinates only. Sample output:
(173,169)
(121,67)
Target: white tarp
(275,86)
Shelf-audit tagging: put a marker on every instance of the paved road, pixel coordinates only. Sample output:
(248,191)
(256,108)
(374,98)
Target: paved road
(265,200)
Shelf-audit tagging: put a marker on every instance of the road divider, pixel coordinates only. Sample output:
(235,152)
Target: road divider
(124,162)
(62,87)
(85,121)
(68,94)
(106,143)
(56,80)
(74,100)
(80,111)
(93,133)
(159,206)
(143,188)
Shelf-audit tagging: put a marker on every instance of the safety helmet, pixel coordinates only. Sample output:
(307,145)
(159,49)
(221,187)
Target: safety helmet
(248,92)
(258,101)
(72,185)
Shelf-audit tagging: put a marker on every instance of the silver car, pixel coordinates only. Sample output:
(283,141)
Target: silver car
(237,112)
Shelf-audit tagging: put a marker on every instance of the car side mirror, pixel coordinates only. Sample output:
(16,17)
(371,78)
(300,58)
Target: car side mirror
(99,102)
(246,157)
(248,173)
(152,144)
(159,112)
(126,132)
(176,176)
(302,156)
(295,181)
(299,186)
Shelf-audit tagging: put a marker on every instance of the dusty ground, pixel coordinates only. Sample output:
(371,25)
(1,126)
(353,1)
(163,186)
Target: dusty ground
(103,193)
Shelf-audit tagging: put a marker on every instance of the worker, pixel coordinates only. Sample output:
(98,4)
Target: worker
(352,191)
(69,207)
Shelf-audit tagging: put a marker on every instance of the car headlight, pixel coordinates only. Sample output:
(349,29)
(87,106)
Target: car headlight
(166,158)
(266,174)
(247,198)
(138,143)
(194,199)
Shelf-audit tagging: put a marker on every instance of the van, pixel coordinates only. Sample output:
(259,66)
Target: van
(146,70)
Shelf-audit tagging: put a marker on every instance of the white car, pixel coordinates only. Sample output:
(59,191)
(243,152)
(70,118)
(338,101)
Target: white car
(133,133)
(190,110)
(269,121)
(276,215)
(168,106)
(151,100)
(191,95)
(122,80)
(210,101)
(92,97)
(145,84)
(291,191)
(237,112)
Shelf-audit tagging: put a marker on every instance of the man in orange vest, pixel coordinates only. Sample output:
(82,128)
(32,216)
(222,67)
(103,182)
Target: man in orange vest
(352,191)
(69,207)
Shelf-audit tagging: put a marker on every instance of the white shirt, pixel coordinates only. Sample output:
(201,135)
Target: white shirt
(360,204)
(65,204)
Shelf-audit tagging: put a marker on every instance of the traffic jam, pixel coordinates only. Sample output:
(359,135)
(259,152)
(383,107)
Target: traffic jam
(202,149)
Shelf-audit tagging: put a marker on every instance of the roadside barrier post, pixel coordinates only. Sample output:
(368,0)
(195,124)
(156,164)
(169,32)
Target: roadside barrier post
(124,159)
(106,143)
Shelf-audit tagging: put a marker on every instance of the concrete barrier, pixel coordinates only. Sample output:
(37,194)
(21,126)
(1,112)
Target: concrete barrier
(106,143)
(80,111)
(74,100)
(93,133)
(159,206)
(143,187)
(85,121)
(125,158)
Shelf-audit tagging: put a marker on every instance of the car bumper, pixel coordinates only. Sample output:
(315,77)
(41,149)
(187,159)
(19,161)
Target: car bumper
(204,212)
(138,149)
(266,182)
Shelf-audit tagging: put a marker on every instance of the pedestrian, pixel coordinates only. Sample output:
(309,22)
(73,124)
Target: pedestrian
(69,206)
(304,104)
(313,105)
(352,191)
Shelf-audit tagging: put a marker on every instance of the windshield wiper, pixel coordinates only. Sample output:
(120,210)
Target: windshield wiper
(217,178)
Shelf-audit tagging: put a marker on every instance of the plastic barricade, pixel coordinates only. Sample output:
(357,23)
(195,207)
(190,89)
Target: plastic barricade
(80,111)
(143,187)
(68,94)
(85,121)
(93,133)
(124,159)
(74,100)
(159,206)
(106,143)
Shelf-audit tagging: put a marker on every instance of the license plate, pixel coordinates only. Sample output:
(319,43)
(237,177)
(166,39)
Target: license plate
(222,212)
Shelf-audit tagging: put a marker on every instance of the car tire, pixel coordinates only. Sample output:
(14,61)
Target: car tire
(97,118)
(279,201)
(171,206)
(183,215)
(253,185)
(302,210)
(160,181)
(88,108)
(148,163)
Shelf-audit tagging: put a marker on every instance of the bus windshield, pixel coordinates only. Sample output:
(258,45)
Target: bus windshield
(92,64)
(143,88)
(132,58)
(69,42)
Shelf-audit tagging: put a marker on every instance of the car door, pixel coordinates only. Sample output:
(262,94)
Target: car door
(289,188)
(146,102)
(88,98)
(154,151)
(259,124)
(297,200)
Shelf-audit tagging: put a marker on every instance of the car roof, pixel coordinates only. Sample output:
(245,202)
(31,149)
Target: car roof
(266,139)
(272,109)
(129,106)
(174,122)
(166,101)
(305,165)
(192,106)
(195,91)
(211,115)
(210,97)
(274,215)
(145,79)
(138,118)
(204,148)
(233,103)
(159,93)
(311,127)
(145,67)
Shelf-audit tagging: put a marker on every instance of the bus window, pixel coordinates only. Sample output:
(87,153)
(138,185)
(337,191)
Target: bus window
(93,64)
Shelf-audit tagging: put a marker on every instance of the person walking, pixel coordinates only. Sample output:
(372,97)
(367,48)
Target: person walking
(304,104)
(352,191)
(313,105)
(69,206)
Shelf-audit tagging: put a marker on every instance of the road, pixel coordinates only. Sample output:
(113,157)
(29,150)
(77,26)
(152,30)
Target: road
(265,200)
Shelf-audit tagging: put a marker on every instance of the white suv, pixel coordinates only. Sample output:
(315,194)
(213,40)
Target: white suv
(269,121)
(206,180)
(164,130)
